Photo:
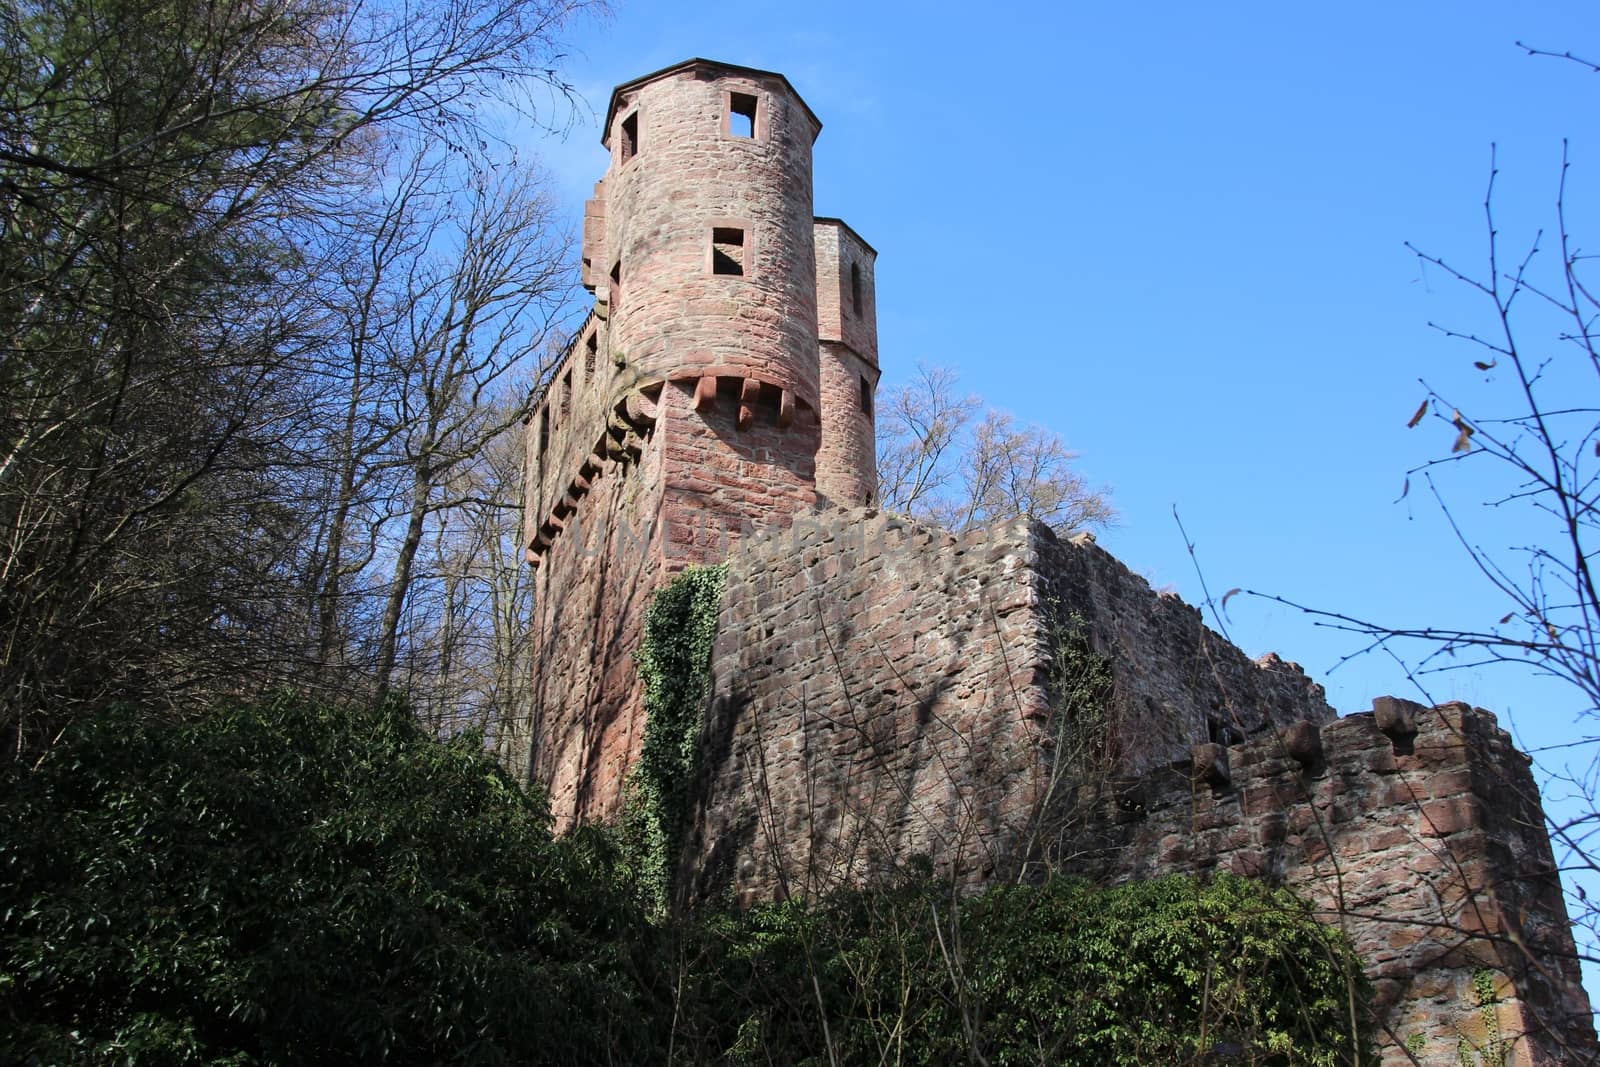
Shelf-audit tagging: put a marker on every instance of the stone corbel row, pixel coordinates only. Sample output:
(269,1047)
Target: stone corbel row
(622,440)
(1396,718)
(1301,740)
(705,398)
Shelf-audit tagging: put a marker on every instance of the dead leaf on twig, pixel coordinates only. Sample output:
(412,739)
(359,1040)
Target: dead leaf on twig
(1422,409)
(1464,437)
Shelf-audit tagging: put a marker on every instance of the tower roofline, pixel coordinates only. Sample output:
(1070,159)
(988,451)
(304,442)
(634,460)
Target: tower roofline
(832,220)
(689,64)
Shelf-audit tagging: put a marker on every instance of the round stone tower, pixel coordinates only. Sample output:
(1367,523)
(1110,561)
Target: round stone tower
(721,385)
(707,260)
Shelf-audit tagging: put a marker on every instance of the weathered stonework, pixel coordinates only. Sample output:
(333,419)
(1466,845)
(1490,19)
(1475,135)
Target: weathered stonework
(1428,848)
(722,384)
(1007,703)
(882,688)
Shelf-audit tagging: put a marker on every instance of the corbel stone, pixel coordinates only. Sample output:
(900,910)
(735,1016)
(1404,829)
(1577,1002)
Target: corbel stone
(1397,718)
(705,392)
(640,410)
(1303,740)
(1211,765)
(749,393)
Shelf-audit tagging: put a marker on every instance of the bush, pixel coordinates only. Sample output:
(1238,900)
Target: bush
(295,883)
(1168,971)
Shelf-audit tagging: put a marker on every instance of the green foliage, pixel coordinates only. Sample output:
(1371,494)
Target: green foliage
(674,660)
(294,883)
(1168,971)
(1493,1051)
(1080,684)
(290,883)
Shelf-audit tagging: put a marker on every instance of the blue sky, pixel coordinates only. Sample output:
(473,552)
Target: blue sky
(1175,234)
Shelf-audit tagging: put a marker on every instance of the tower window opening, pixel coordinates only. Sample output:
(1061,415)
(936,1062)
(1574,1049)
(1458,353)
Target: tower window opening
(727,250)
(630,136)
(855,287)
(544,433)
(616,284)
(742,115)
(591,348)
(866,397)
(566,395)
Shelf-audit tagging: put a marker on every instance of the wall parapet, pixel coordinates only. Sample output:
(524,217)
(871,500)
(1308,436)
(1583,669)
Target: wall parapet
(883,689)
(1418,830)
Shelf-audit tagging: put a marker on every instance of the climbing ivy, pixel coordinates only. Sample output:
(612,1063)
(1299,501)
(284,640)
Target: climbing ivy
(674,659)
(1080,683)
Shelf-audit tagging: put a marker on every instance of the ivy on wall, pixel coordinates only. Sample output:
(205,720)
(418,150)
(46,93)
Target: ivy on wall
(674,660)
(1081,686)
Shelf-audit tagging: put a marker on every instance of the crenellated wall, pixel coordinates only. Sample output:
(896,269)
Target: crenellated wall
(882,689)
(1418,830)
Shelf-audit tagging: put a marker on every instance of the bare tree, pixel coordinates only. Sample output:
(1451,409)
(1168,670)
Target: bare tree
(174,178)
(936,463)
(466,663)
(472,321)
(1524,442)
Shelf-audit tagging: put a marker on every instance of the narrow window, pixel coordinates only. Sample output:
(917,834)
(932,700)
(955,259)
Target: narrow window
(566,395)
(866,396)
(616,285)
(591,348)
(630,137)
(855,287)
(544,433)
(742,115)
(727,250)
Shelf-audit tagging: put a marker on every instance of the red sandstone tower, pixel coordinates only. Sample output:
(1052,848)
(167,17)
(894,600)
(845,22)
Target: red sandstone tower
(722,383)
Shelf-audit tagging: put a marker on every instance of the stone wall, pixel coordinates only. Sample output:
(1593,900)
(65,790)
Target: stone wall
(673,315)
(1426,843)
(594,581)
(882,689)
(847,330)
(860,659)
(725,481)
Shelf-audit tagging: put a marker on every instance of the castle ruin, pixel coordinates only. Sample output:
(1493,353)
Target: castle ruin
(882,689)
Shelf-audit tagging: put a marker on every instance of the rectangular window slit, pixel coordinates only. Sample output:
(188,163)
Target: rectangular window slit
(590,348)
(566,395)
(727,250)
(742,115)
(630,137)
(616,285)
(866,396)
(544,434)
